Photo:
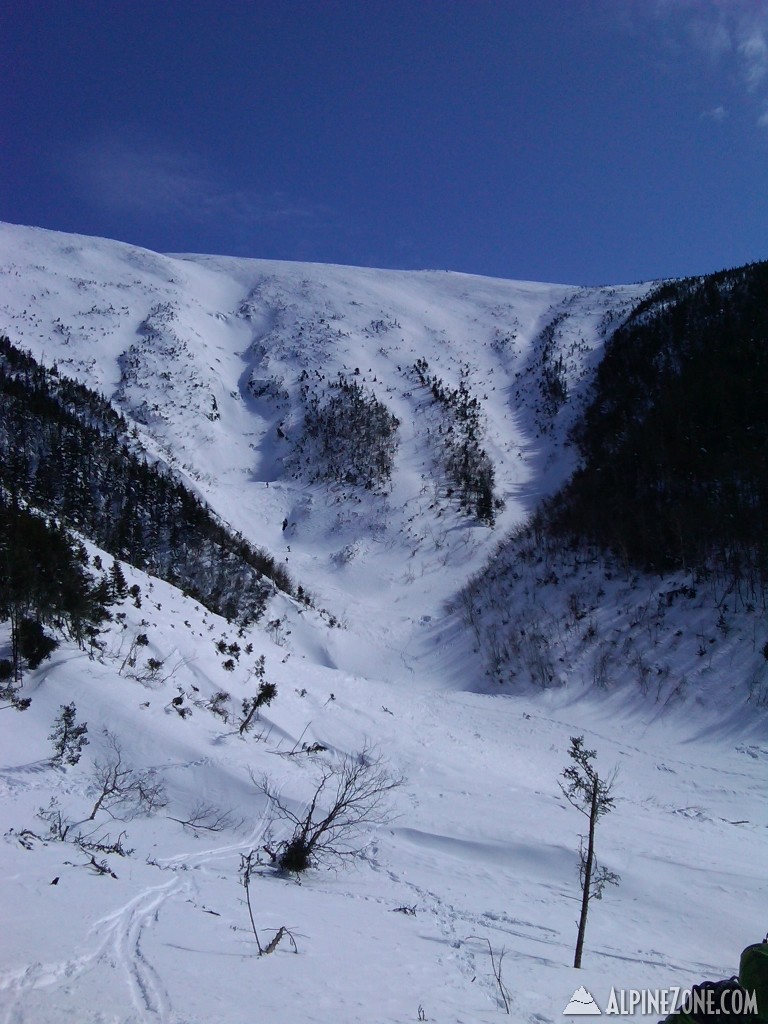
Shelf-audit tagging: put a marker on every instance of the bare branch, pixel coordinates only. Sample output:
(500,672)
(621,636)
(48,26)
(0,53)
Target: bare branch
(247,864)
(350,796)
(121,791)
(496,967)
(208,818)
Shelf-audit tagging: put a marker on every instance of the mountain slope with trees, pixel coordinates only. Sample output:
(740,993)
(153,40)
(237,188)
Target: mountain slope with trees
(650,564)
(171,759)
(674,442)
(65,451)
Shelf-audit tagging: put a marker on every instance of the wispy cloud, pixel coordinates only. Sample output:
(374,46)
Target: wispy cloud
(731,35)
(753,54)
(124,176)
(717,114)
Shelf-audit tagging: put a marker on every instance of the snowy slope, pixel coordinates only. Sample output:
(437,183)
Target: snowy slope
(166,338)
(205,355)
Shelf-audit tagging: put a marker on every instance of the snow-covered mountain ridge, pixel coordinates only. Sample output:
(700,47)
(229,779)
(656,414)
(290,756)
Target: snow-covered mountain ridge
(208,357)
(213,360)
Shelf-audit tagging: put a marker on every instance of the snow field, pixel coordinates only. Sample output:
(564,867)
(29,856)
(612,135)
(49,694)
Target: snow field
(481,844)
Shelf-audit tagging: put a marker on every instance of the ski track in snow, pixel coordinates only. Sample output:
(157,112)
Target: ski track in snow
(119,947)
(124,930)
(119,939)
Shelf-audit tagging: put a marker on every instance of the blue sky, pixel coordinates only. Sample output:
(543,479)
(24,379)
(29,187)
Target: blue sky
(582,141)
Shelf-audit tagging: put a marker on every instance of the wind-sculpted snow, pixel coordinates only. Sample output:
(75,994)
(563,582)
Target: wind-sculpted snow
(204,356)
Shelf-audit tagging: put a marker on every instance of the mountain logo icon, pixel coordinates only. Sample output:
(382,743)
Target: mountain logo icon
(583,1002)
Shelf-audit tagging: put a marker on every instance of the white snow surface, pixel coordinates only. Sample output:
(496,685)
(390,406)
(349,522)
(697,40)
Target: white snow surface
(481,844)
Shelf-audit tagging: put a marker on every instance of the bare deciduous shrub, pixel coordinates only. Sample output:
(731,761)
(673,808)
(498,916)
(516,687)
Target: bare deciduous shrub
(537,657)
(61,829)
(496,966)
(121,791)
(139,641)
(603,661)
(247,864)
(350,796)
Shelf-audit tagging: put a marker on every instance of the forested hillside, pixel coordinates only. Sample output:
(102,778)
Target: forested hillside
(177,434)
(675,441)
(648,568)
(65,451)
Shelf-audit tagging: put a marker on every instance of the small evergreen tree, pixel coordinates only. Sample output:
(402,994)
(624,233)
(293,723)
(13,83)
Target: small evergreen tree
(67,737)
(588,793)
(34,643)
(265,696)
(118,581)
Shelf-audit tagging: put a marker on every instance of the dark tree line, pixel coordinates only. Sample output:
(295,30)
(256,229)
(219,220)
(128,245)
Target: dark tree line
(552,382)
(674,443)
(67,452)
(44,582)
(465,461)
(350,437)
